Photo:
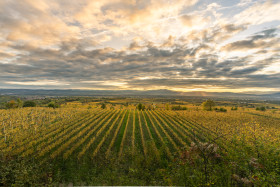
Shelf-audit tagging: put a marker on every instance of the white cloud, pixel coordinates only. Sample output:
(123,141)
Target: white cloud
(259,13)
(39,83)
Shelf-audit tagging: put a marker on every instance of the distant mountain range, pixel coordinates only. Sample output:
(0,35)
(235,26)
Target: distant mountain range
(148,93)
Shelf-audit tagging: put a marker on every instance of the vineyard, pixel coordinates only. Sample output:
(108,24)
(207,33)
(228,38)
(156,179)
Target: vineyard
(67,141)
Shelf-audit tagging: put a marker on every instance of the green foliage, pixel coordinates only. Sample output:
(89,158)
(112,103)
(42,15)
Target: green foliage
(11,104)
(234,108)
(16,171)
(200,164)
(103,105)
(166,106)
(14,104)
(179,107)
(19,103)
(150,107)
(209,159)
(261,108)
(53,105)
(29,104)
(140,106)
(208,105)
(220,109)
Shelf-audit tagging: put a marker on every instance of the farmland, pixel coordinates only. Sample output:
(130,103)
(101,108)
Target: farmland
(82,145)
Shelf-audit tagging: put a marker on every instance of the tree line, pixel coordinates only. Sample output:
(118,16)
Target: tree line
(20,104)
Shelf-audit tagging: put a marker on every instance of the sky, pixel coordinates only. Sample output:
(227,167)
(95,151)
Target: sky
(179,45)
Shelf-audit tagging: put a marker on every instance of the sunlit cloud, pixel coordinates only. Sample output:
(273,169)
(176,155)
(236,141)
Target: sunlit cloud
(183,45)
(38,83)
(260,12)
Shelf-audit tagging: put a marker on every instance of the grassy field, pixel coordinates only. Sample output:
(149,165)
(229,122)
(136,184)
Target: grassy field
(82,145)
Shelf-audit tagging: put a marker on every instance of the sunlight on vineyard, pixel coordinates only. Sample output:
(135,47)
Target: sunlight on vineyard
(89,134)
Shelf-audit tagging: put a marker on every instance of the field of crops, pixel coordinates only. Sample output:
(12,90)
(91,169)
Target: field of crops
(68,138)
(89,133)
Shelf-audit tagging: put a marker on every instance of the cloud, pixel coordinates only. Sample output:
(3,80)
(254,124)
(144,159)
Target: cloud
(226,83)
(261,40)
(188,20)
(175,67)
(123,16)
(260,12)
(33,23)
(38,83)
(191,21)
(146,44)
(244,3)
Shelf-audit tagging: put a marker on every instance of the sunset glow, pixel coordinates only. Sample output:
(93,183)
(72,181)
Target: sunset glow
(180,45)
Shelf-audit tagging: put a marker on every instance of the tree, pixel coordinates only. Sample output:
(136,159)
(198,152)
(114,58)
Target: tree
(11,104)
(223,110)
(29,104)
(208,105)
(19,103)
(262,108)
(167,106)
(140,106)
(53,105)
(179,107)
(103,105)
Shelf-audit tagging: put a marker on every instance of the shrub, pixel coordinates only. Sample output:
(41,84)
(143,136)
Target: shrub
(11,104)
(223,110)
(103,105)
(29,104)
(179,108)
(208,105)
(261,108)
(140,106)
(53,105)
(220,110)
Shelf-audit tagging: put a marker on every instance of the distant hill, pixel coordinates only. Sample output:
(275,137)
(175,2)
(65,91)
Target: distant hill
(151,93)
(274,95)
